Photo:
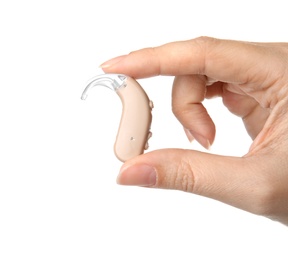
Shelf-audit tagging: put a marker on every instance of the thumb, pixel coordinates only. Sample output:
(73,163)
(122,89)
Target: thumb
(227,179)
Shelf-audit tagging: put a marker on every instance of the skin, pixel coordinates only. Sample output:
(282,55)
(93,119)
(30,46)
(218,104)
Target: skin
(252,80)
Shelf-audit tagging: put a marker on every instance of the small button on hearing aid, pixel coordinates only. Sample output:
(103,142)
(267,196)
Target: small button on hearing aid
(133,132)
(151,104)
(149,135)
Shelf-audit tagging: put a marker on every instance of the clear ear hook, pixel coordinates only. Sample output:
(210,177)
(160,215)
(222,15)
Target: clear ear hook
(112,81)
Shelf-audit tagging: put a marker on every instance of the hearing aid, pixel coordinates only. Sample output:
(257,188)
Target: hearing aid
(134,128)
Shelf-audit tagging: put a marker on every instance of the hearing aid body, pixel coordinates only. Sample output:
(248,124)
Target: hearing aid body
(134,128)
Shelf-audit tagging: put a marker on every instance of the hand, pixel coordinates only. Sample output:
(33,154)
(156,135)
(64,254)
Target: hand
(252,79)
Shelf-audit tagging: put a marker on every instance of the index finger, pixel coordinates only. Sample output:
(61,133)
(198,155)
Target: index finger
(224,60)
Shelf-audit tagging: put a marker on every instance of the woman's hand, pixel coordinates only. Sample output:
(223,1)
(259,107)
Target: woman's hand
(252,79)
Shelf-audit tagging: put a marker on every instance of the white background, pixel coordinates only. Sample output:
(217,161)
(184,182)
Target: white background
(58,195)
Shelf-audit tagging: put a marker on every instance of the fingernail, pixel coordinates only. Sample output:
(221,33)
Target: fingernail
(201,139)
(189,135)
(137,175)
(111,62)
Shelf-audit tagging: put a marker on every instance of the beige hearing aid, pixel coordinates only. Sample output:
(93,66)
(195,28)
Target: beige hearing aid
(134,128)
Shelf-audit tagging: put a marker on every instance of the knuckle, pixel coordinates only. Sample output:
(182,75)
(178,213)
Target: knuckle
(204,39)
(204,42)
(184,177)
(206,46)
(177,109)
(183,111)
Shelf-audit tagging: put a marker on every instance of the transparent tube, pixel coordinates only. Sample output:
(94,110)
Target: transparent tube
(111,81)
